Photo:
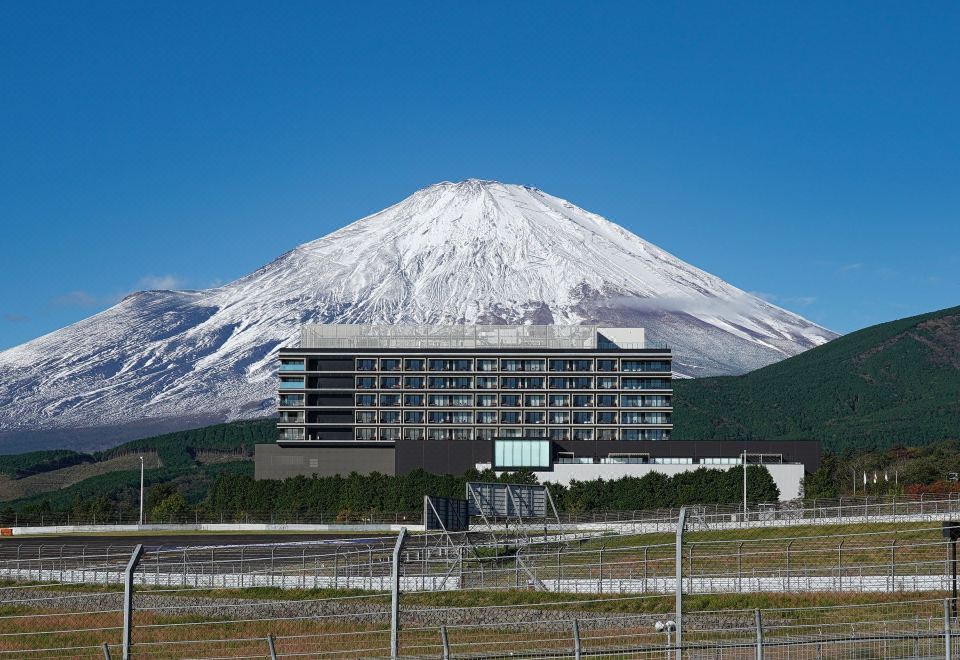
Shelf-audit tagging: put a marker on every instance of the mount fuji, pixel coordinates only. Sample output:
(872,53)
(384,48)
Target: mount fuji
(467,252)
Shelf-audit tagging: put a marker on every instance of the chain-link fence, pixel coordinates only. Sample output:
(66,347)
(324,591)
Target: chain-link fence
(864,588)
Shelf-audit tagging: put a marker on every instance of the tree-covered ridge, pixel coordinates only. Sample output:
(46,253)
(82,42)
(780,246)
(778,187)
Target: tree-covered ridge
(896,383)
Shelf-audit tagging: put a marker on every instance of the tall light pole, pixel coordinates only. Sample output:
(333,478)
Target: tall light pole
(141,490)
(744,485)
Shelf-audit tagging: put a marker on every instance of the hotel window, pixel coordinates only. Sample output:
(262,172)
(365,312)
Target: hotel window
(291,399)
(413,434)
(291,434)
(366,364)
(487,417)
(626,458)
(389,416)
(486,382)
(389,364)
(390,382)
(451,400)
(413,417)
(632,418)
(645,434)
(512,454)
(518,383)
(656,402)
(507,432)
(389,399)
(413,364)
(486,400)
(533,417)
(583,434)
(437,433)
(571,383)
(366,434)
(571,365)
(450,365)
(413,399)
(559,416)
(631,401)
(521,365)
(366,382)
(606,365)
(486,434)
(291,365)
(606,434)
(582,400)
(291,416)
(390,434)
(607,383)
(510,400)
(559,434)
(606,417)
(287,383)
(366,399)
(559,400)
(413,382)
(673,461)
(534,432)
(510,416)
(486,365)
(366,417)
(581,417)
(606,400)
(450,382)
(720,461)
(646,384)
(534,400)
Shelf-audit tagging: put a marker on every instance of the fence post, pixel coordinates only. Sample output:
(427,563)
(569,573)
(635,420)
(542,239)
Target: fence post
(445,642)
(600,587)
(946,629)
(681,523)
(395,596)
(576,640)
(128,598)
(106,651)
(759,620)
(271,647)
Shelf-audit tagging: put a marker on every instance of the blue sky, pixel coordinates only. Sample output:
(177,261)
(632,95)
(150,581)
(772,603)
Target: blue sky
(807,151)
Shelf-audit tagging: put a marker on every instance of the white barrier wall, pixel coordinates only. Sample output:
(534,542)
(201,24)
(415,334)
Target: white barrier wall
(787,476)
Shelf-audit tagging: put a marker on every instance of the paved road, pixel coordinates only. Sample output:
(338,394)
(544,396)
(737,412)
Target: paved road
(182,540)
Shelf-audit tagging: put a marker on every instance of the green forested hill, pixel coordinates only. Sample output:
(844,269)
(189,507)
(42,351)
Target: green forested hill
(896,383)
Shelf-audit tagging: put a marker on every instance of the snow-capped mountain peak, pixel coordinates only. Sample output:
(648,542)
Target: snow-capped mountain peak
(475,251)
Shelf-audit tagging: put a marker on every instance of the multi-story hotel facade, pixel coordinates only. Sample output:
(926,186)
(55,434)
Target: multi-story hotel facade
(566,401)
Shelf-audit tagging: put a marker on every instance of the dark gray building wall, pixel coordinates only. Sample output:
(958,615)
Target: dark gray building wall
(274,462)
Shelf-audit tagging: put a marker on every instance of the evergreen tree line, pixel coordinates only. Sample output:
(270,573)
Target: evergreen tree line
(238,496)
(378,493)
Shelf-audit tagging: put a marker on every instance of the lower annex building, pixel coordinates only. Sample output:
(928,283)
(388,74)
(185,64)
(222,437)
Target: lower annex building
(566,402)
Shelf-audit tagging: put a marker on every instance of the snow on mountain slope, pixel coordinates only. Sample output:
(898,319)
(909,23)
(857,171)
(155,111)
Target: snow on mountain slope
(468,252)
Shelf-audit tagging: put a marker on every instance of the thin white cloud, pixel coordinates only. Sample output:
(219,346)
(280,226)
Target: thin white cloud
(161,282)
(15,318)
(846,268)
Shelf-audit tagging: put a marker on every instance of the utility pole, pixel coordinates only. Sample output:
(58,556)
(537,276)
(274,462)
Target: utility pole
(141,490)
(744,486)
